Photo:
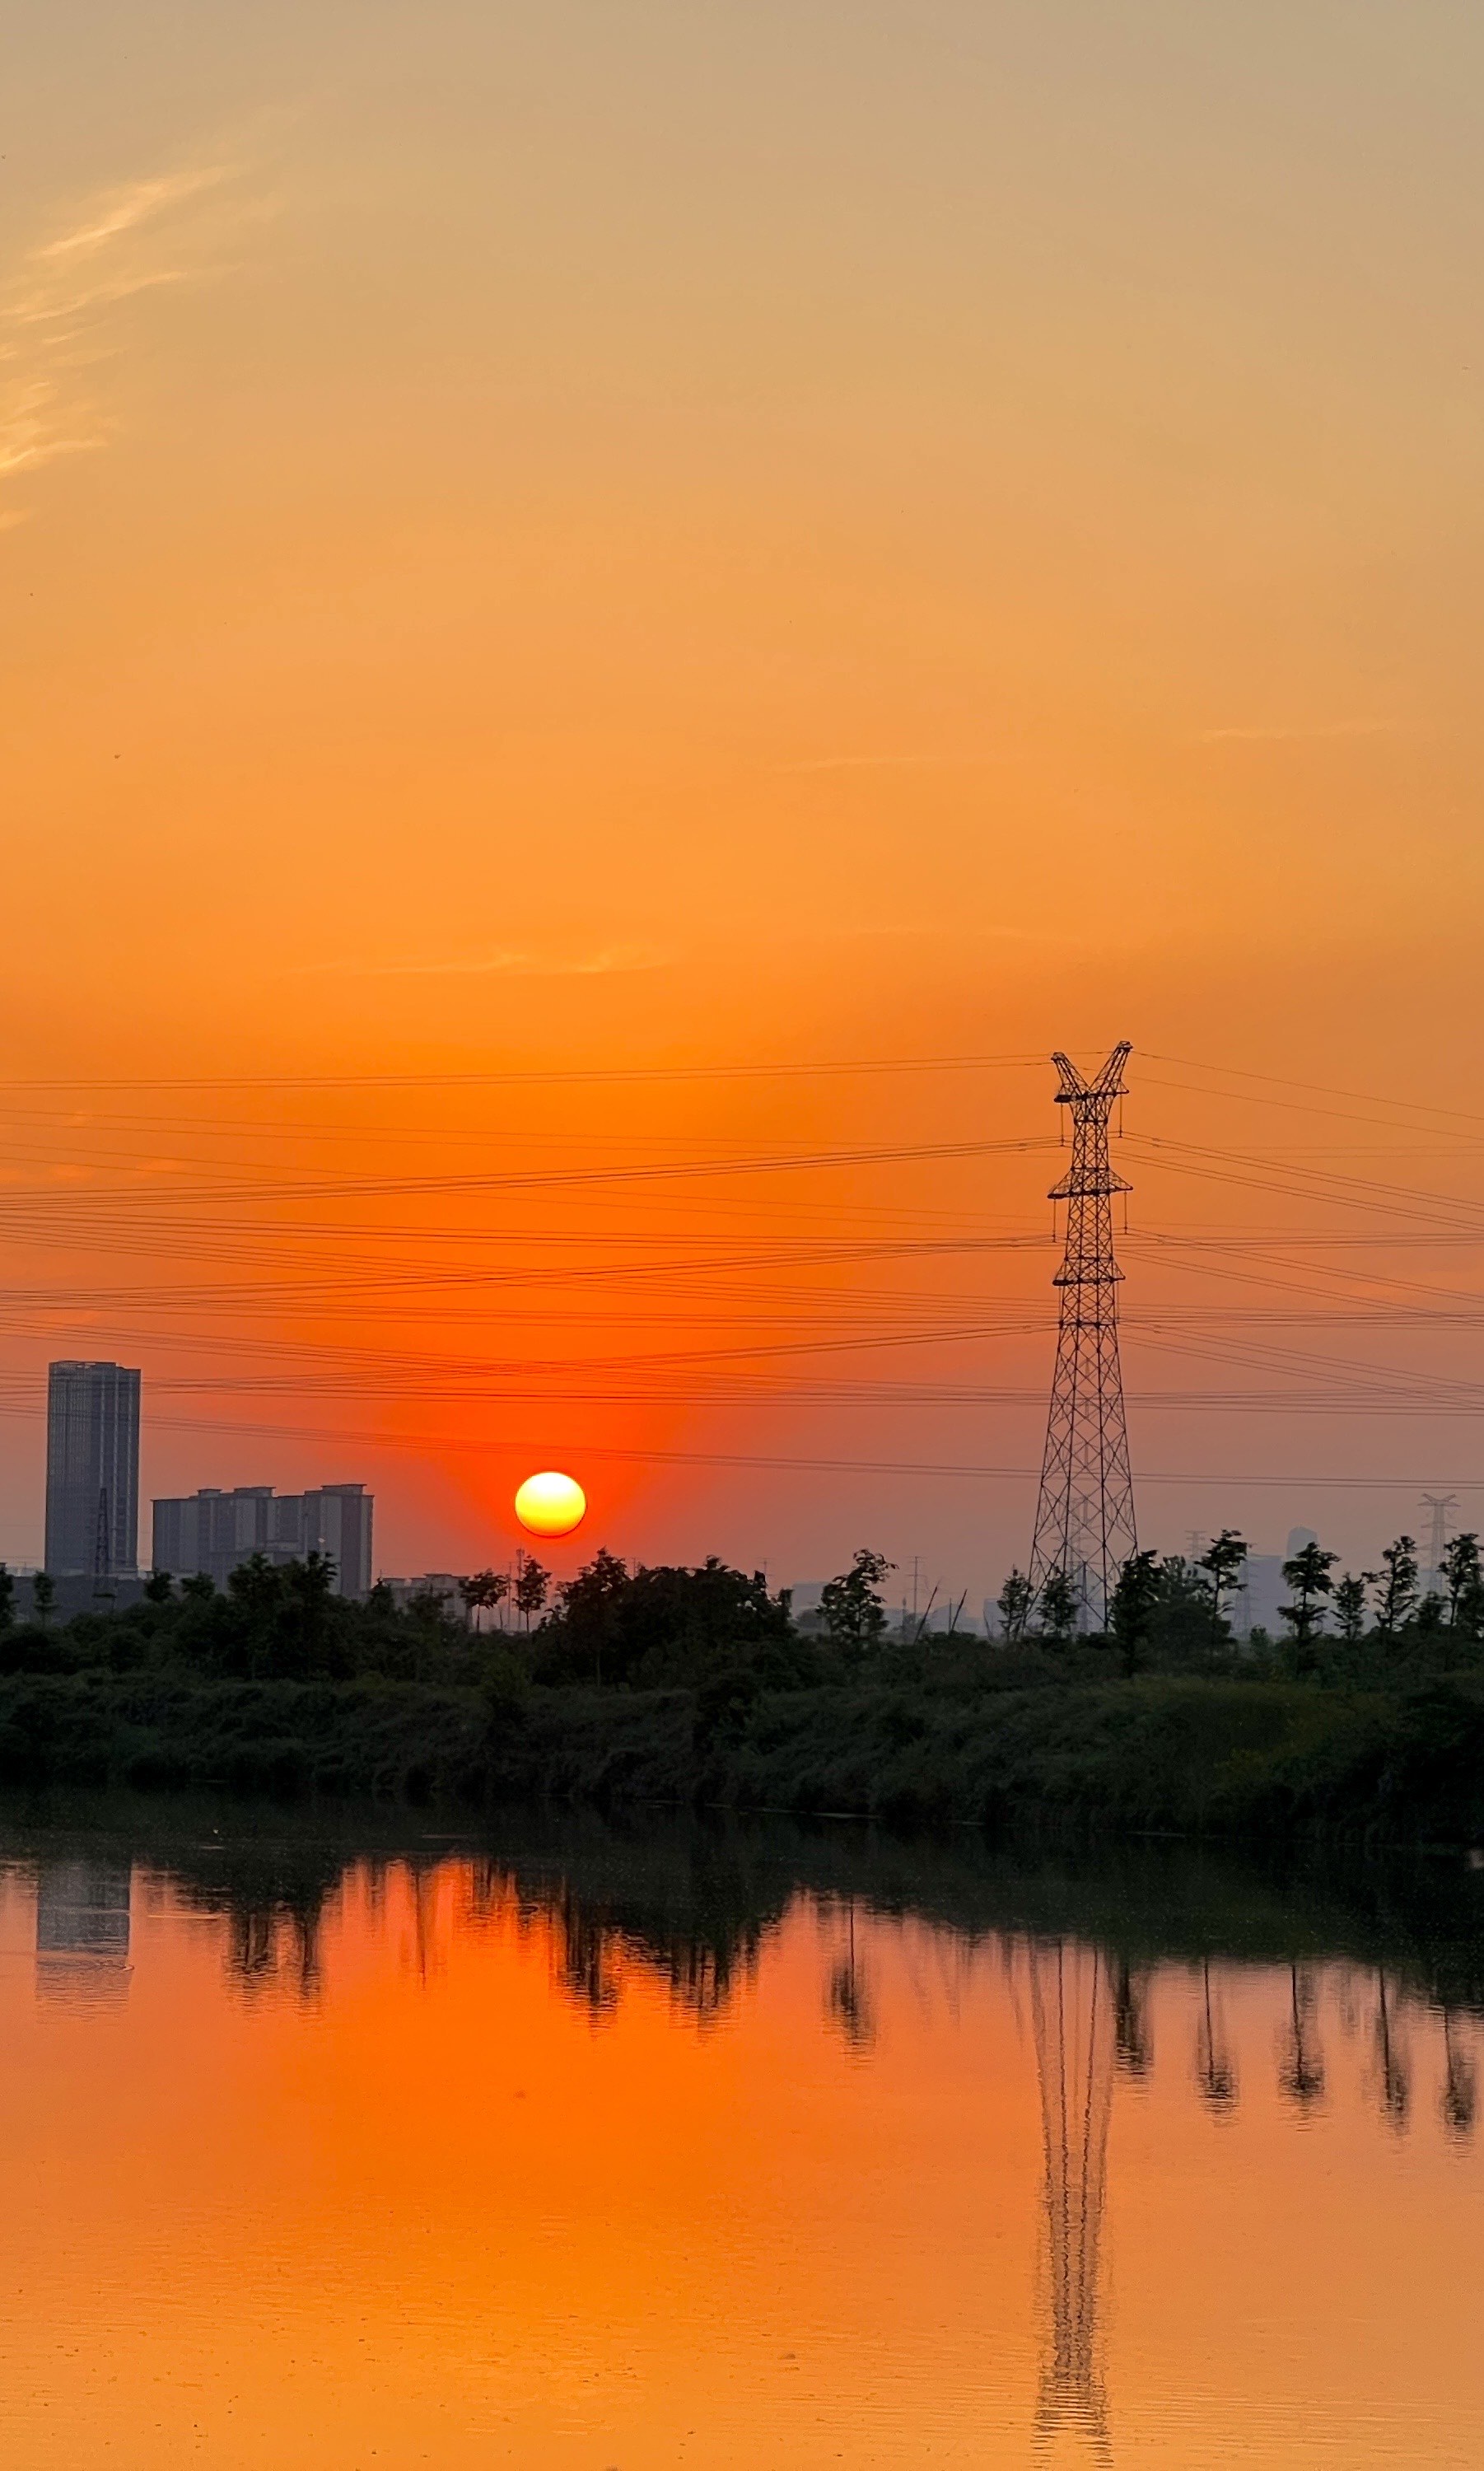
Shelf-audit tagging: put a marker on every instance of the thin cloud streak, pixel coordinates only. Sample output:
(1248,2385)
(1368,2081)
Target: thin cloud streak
(885,763)
(620,960)
(1280,734)
(53,311)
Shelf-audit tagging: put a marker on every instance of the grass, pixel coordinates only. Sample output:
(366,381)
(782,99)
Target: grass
(1214,1757)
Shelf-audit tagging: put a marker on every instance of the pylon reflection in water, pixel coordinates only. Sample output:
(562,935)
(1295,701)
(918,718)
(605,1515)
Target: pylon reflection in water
(1074,2012)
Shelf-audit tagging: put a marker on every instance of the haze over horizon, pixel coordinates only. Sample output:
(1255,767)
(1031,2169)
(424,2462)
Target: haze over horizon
(617,620)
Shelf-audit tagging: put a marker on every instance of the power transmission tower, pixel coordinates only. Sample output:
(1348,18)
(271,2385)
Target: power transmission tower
(1439,1504)
(1085,1515)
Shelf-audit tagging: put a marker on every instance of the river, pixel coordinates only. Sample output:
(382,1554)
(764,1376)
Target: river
(367,2144)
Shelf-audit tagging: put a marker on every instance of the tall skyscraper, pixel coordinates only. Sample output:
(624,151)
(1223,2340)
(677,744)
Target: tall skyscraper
(92,1469)
(214,1533)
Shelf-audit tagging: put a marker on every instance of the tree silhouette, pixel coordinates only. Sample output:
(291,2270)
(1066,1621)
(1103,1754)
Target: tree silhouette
(1307,1574)
(1014,1605)
(1059,1608)
(1132,1612)
(1222,1560)
(483,1592)
(853,1614)
(1398,1583)
(1350,1604)
(532,1585)
(1465,1582)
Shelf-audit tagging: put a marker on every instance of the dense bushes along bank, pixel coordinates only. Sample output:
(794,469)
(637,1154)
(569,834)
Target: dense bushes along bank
(680,1687)
(1198,1756)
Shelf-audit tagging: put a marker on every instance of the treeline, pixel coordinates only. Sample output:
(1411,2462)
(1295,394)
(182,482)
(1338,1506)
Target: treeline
(670,1686)
(645,1629)
(1369,1628)
(713,1629)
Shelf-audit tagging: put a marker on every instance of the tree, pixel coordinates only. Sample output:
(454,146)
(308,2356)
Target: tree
(1222,1561)
(482,1593)
(1014,1605)
(6,1597)
(1307,1574)
(43,1596)
(533,1586)
(308,1588)
(1398,1599)
(1350,1604)
(1131,1613)
(158,1588)
(257,1584)
(1462,1577)
(1184,1630)
(285,1622)
(853,1614)
(1060,1606)
(710,1628)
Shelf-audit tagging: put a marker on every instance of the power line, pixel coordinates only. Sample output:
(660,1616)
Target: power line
(1278,1081)
(539,1077)
(504,1447)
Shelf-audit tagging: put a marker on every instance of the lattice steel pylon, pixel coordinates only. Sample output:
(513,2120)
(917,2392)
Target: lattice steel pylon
(1085,1528)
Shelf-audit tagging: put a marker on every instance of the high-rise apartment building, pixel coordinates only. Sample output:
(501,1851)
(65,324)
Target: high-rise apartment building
(212,1532)
(92,1469)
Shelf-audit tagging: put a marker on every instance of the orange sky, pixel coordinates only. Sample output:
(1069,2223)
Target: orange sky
(556,540)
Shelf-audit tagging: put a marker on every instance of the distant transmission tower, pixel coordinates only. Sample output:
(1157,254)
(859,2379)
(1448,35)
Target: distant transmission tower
(1439,1504)
(1085,1516)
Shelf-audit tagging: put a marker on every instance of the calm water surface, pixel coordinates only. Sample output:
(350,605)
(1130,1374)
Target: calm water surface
(571,2151)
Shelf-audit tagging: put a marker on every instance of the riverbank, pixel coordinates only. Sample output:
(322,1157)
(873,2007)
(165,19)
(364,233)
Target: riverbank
(1215,1757)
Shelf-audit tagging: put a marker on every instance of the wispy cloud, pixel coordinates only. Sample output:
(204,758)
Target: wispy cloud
(616,960)
(1280,733)
(883,762)
(58,324)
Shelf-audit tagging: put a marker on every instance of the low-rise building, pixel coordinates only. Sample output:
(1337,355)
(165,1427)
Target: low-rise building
(211,1532)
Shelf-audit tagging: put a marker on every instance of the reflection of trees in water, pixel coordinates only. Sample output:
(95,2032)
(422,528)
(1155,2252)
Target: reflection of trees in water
(1301,2069)
(699,1925)
(848,1998)
(1459,2100)
(1079,2008)
(693,1908)
(1216,2070)
(1133,2033)
(1393,2075)
(274,1898)
(584,1956)
(269,1945)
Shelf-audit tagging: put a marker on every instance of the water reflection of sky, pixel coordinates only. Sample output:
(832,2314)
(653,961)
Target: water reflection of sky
(665,2155)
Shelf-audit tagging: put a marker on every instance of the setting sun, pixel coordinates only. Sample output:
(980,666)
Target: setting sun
(550,1504)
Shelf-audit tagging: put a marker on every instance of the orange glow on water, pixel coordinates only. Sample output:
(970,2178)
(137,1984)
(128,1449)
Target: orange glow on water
(472,2163)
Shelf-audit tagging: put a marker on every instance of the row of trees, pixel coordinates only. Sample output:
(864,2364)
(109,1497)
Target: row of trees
(678,1627)
(1170,1592)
